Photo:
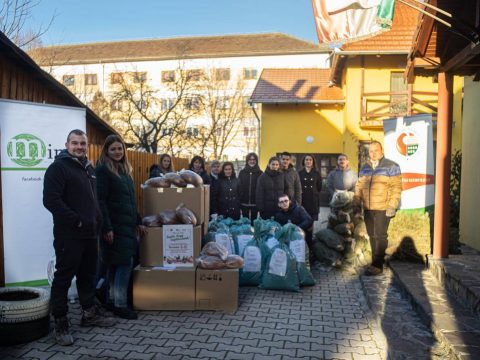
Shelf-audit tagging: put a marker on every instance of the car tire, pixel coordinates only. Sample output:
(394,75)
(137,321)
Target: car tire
(23,304)
(23,332)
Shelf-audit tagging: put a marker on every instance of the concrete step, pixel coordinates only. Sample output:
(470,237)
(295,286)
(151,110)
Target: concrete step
(453,324)
(406,335)
(460,275)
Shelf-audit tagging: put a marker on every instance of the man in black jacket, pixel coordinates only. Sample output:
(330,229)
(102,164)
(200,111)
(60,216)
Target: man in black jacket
(69,193)
(290,211)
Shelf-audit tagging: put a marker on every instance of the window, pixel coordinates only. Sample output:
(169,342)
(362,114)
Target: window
(192,132)
(168,76)
(398,103)
(116,104)
(90,79)
(167,131)
(222,74)
(222,103)
(116,78)
(167,104)
(141,104)
(195,74)
(249,131)
(68,80)
(192,103)
(249,74)
(139,77)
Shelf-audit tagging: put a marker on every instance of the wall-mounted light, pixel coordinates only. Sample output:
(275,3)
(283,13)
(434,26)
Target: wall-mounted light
(309,139)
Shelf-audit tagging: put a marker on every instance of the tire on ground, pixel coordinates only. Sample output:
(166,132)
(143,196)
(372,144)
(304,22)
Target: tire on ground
(22,304)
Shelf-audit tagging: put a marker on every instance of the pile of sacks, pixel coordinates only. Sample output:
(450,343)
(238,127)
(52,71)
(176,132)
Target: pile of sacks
(274,256)
(345,240)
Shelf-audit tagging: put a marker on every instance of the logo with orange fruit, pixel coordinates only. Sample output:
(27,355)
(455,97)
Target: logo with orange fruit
(407,143)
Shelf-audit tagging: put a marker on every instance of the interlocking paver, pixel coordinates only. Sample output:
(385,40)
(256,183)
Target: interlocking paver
(329,319)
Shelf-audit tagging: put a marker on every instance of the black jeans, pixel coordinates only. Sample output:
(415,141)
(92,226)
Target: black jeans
(75,257)
(377,226)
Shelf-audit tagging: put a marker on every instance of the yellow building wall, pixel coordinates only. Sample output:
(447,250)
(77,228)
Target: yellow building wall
(337,128)
(286,128)
(470,185)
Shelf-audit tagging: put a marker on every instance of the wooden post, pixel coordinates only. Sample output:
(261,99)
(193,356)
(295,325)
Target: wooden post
(443,163)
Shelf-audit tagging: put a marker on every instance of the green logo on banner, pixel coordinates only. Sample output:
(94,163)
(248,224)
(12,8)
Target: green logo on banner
(26,150)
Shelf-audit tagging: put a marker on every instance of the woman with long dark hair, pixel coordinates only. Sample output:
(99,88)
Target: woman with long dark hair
(311,181)
(270,186)
(121,222)
(165,166)
(197,164)
(248,185)
(226,200)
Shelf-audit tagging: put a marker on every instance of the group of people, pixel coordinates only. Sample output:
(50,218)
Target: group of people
(86,202)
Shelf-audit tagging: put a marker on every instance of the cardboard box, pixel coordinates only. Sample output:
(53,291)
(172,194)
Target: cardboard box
(217,290)
(162,289)
(158,199)
(151,246)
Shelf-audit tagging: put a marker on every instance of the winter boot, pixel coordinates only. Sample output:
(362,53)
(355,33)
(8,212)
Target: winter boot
(94,316)
(61,332)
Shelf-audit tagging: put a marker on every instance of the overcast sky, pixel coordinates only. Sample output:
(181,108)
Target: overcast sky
(79,21)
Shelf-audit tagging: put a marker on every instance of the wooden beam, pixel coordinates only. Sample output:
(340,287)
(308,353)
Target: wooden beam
(463,57)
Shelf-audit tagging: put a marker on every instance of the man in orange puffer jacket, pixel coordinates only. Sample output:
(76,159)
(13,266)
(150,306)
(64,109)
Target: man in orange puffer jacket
(379,188)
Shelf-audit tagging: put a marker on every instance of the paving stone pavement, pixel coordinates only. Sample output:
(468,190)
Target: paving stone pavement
(408,337)
(328,321)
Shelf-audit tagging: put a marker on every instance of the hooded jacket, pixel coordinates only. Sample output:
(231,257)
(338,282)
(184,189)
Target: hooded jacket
(270,186)
(379,188)
(297,215)
(116,195)
(341,179)
(70,194)
(248,182)
(226,199)
(293,187)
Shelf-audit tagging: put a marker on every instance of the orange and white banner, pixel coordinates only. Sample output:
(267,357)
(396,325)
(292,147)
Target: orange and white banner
(341,21)
(409,142)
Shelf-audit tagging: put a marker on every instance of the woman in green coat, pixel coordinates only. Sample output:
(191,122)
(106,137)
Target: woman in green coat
(121,222)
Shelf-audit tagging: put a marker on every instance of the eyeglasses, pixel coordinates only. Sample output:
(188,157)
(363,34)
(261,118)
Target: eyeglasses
(253,159)
(283,201)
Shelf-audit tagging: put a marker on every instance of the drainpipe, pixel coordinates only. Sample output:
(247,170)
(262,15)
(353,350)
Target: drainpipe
(443,161)
(258,127)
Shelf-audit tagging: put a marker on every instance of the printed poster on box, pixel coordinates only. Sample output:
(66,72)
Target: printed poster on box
(178,245)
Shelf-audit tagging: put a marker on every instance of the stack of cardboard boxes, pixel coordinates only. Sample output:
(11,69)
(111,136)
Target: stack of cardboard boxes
(167,278)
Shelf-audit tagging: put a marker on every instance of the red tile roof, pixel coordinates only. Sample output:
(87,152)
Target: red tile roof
(295,86)
(175,48)
(398,38)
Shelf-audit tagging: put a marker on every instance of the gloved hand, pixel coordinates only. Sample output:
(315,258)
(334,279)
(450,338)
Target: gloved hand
(390,212)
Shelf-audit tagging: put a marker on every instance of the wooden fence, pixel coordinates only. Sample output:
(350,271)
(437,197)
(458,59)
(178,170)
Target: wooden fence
(141,162)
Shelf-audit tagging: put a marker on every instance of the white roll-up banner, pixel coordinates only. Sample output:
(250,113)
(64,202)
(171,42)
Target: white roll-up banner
(409,142)
(31,135)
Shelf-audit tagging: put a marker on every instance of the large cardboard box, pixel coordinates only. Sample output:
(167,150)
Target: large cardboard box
(157,288)
(151,246)
(217,290)
(158,199)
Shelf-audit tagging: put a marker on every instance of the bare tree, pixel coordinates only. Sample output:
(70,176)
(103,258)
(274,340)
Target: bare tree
(224,109)
(100,106)
(14,15)
(152,119)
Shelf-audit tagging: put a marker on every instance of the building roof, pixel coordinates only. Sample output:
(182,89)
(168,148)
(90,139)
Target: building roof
(398,38)
(9,49)
(174,48)
(296,86)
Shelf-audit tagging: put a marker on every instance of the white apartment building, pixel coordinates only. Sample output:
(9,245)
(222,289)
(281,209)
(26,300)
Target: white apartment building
(86,69)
